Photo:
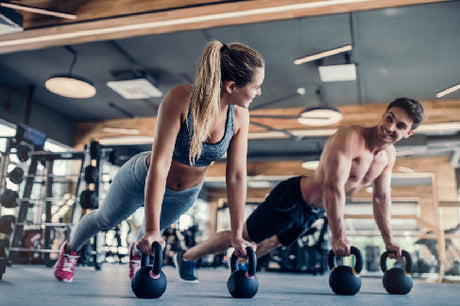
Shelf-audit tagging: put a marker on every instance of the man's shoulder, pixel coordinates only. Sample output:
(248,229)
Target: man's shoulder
(354,131)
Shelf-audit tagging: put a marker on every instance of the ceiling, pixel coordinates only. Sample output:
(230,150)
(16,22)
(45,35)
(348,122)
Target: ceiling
(410,50)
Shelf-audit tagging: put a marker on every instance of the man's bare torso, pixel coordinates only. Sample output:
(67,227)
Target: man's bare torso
(365,166)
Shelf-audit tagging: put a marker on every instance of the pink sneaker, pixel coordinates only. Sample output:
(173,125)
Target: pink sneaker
(134,262)
(65,265)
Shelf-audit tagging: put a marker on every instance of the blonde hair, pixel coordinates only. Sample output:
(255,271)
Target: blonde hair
(219,63)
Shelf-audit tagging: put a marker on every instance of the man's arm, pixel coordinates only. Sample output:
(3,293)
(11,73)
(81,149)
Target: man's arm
(381,204)
(336,162)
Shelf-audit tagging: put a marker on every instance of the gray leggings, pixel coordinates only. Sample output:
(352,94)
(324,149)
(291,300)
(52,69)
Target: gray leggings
(125,196)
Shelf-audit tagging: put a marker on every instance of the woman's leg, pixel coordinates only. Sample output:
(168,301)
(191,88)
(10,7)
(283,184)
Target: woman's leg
(125,196)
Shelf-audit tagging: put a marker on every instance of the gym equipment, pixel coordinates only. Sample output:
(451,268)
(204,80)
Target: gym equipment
(91,174)
(242,283)
(50,210)
(397,280)
(150,282)
(308,254)
(6,222)
(9,198)
(16,175)
(345,280)
(88,199)
(372,258)
(22,152)
(3,263)
(95,150)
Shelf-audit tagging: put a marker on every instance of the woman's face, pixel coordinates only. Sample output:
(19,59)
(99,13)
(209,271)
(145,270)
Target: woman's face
(243,96)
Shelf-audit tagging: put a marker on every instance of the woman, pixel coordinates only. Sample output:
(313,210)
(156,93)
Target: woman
(196,125)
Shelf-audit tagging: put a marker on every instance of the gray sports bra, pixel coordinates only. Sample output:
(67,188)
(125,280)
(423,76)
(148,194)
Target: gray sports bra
(210,151)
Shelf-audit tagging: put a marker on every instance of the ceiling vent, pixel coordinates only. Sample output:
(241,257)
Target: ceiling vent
(337,73)
(10,21)
(134,85)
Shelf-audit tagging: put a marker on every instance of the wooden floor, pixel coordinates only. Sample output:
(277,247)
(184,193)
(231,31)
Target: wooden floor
(36,285)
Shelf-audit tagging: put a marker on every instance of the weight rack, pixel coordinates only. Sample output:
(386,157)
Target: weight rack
(46,226)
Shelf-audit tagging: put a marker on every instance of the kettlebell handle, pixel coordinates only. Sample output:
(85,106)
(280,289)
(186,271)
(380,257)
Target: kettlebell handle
(157,261)
(252,261)
(354,251)
(409,264)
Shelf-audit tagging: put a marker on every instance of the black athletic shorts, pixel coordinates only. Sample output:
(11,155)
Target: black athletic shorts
(283,213)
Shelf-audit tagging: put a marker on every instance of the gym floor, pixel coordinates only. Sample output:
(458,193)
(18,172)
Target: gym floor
(36,285)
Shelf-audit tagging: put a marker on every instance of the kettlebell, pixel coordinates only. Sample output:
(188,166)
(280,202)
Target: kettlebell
(149,282)
(397,280)
(242,283)
(345,280)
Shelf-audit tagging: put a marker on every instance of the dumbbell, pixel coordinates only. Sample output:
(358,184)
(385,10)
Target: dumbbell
(6,222)
(89,199)
(9,198)
(16,175)
(91,174)
(22,152)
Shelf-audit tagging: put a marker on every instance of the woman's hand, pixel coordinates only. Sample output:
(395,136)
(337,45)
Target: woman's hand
(144,245)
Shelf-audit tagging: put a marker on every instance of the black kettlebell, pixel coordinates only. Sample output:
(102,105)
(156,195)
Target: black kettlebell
(241,283)
(397,280)
(150,282)
(345,280)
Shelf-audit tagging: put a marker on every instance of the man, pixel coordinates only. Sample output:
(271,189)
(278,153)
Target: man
(352,158)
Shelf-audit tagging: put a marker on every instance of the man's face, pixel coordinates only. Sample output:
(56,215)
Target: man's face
(395,125)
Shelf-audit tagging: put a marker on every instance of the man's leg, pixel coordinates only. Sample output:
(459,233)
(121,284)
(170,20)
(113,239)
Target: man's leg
(267,246)
(221,241)
(217,243)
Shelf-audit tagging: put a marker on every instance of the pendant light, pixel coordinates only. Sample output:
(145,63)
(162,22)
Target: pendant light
(70,85)
(320,115)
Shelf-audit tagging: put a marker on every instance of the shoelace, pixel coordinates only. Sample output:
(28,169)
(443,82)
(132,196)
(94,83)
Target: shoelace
(69,262)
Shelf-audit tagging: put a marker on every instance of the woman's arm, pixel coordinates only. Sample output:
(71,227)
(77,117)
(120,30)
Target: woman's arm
(236,180)
(167,127)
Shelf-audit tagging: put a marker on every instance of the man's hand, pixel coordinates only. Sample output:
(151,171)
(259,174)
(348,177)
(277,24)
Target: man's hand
(391,246)
(240,245)
(341,247)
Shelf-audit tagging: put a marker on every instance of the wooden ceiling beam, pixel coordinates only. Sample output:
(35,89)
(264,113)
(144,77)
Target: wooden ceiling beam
(180,19)
(140,130)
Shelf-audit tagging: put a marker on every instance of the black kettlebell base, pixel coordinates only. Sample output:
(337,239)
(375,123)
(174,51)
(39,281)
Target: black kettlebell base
(145,287)
(241,287)
(343,281)
(396,282)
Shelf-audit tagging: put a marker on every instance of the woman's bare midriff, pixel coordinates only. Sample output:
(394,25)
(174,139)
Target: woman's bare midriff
(182,177)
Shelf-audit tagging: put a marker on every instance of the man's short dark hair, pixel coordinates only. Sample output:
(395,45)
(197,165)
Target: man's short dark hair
(412,107)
